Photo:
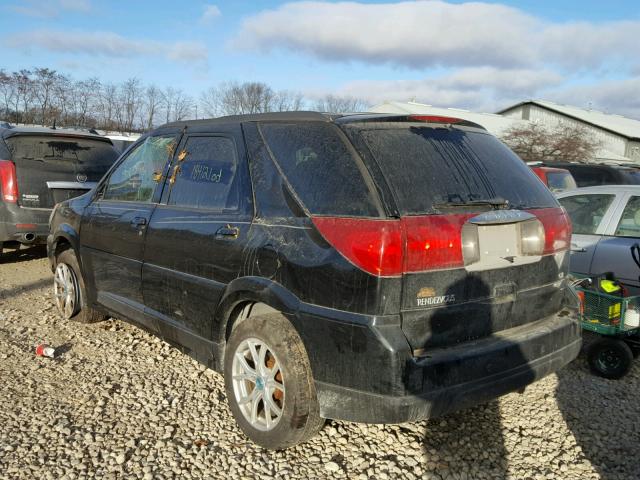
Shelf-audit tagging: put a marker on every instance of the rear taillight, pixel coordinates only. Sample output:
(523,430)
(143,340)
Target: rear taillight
(434,242)
(375,246)
(389,248)
(8,181)
(557,229)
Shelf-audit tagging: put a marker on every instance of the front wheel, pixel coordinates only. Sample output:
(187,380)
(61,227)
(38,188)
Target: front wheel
(69,291)
(610,358)
(268,382)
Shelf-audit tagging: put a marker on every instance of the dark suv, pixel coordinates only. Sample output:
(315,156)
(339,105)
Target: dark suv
(40,167)
(589,175)
(367,268)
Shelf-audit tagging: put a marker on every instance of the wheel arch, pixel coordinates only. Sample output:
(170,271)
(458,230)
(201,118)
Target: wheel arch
(248,297)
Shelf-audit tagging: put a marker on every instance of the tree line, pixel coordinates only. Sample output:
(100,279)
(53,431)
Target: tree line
(45,96)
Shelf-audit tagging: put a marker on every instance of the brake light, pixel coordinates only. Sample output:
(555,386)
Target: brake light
(375,246)
(8,181)
(389,248)
(434,119)
(434,242)
(557,229)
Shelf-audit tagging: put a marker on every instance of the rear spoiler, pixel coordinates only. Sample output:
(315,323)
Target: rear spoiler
(435,119)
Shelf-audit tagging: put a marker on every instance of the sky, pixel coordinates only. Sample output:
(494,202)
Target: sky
(482,56)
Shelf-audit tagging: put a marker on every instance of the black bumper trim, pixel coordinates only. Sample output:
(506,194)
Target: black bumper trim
(343,403)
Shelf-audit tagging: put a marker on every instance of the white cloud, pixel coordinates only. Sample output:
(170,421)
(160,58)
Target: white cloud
(478,88)
(107,44)
(211,12)
(422,34)
(50,8)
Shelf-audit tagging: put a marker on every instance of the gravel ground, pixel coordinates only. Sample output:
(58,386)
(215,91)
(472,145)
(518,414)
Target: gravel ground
(119,403)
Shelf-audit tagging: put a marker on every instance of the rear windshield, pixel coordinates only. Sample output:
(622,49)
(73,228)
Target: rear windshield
(427,166)
(59,149)
(323,169)
(560,181)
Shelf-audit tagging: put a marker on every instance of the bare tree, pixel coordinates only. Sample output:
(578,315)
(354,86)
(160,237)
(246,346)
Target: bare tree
(23,94)
(153,96)
(566,142)
(182,107)
(338,104)
(6,92)
(287,101)
(131,101)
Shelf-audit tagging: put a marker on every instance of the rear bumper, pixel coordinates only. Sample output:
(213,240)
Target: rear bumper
(451,379)
(24,225)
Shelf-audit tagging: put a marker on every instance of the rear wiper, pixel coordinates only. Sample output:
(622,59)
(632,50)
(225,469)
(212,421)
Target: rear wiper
(495,203)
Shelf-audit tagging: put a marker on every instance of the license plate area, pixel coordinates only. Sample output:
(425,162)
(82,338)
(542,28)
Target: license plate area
(499,247)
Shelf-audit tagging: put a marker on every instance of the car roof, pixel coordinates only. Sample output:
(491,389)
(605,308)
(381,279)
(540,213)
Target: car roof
(12,131)
(310,116)
(613,189)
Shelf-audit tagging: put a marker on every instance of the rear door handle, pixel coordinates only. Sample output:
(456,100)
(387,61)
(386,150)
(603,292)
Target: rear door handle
(139,222)
(228,231)
(576,248)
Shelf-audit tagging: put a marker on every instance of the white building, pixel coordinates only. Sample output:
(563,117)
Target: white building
(619,136)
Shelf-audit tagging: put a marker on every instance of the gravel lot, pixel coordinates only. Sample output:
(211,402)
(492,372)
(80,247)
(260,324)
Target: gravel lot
(118,403)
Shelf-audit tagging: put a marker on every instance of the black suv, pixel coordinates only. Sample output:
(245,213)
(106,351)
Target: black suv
(589,175)
(367,268)
(40,167)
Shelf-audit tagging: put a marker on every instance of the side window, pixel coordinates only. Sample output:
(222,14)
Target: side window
(586,211)
(629,225)
(206,176)
(135,179)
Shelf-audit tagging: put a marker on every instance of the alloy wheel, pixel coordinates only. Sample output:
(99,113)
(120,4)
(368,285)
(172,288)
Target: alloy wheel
(258,384)
(65,290)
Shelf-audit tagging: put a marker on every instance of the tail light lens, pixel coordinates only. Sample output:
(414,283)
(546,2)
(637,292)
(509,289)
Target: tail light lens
(389,248)
(8,181)
(375,246)
(557,229)
(434,242)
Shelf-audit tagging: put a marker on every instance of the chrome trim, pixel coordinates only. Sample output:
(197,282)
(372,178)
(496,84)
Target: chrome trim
(72,185)
(497,217)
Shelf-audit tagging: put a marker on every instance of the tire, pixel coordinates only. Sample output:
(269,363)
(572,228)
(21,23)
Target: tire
(73,290)
(286,364)
(610,358)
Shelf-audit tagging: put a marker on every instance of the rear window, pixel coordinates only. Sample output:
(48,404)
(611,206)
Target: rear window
(560,181)
(427,166)
(59,149)
(323,169)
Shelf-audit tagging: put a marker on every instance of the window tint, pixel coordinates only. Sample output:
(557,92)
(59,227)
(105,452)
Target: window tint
(324,171)
(62,150)
(586,211)
(426,166)
(629,225)
(206,177)
(560,181)
(133,180)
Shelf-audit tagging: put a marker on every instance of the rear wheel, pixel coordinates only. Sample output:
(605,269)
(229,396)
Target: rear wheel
(610,358)
(269,384)
(69,292)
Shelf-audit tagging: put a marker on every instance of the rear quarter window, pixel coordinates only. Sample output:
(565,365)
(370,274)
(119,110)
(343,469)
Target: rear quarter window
(427,165)
(323,169)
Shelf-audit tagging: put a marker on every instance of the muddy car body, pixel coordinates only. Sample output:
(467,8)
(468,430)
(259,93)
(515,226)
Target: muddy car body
(40,167)
(294,241)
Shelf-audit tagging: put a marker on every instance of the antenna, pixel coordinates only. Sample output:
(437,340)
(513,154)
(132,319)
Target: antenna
(54,124)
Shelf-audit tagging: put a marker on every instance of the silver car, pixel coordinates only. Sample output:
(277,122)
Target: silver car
(606,224)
